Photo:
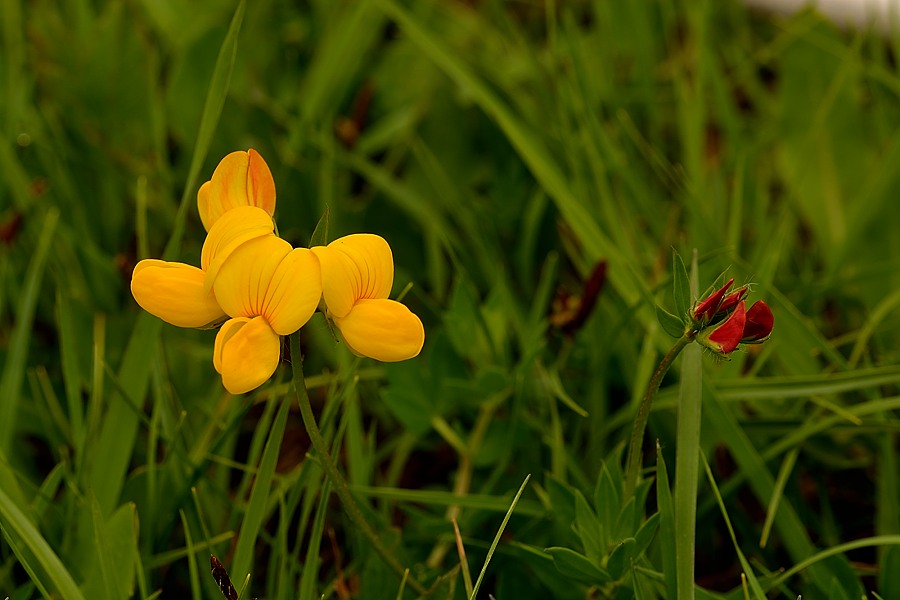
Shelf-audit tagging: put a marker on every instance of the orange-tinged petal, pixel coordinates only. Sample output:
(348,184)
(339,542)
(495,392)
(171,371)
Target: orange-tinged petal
(382,329)
(355,267)
(240,179)
(260,183)
(174,292)
(244,280)
(293,292)
(246,353)
(236,227)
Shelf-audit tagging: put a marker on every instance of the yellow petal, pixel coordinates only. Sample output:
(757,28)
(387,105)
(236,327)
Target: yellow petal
(244,280)
(236,227)
(293,292)
(355,267)
(240,179)
(203,205)
(382,329)
(174,292)
(246,353)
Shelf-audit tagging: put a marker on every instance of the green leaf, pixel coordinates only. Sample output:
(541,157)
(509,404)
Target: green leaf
(577,566)
(666,523)
(670,323)
(607,502)
(257,508)
(28,543)
(589,529)
(17,353)
(620,558)
(496,541)
(319,235)
(645,534)
(682,288)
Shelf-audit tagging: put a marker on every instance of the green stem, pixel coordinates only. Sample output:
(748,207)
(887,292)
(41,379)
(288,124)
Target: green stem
(331,470)
(633,463)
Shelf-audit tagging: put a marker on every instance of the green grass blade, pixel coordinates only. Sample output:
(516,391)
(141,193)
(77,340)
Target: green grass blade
(687,467)
(16,525)
(664,501)
(212,110)
(191,552)
(787,466)
(259,496)
(748,571)
(102,548)
(311,565)
(17,355)
(496,541)
(869,542)
(116,438)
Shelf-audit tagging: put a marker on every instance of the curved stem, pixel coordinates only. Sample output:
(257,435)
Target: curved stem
(331,471)
(633,461)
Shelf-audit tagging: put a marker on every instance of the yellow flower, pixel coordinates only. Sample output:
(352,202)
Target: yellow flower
(240,179)
(357,275)
(266,287)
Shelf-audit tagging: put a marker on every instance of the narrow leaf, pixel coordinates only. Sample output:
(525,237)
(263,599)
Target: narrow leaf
(19,530)
(577,566)
(15,359)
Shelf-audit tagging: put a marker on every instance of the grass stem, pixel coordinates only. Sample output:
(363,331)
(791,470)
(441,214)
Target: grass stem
(337,480)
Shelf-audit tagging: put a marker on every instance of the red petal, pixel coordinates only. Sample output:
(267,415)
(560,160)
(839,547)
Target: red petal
(728,335)
(707,309)
(759,323)
(731,300)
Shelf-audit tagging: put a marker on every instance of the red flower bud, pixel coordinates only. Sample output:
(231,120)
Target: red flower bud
(758,324)
(707,309)
(726,336)
(731,300)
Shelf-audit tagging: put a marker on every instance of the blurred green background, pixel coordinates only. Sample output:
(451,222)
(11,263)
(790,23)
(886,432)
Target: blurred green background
(505,150)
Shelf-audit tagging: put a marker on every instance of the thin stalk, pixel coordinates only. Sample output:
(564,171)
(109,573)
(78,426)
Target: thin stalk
(331,471)
(633,463)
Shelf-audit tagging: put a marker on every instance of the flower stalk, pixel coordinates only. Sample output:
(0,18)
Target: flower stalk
(331,471)
(633,461)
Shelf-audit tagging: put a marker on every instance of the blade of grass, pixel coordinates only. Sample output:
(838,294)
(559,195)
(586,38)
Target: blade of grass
(259,496)
(311,565)
(786,467)
(115,441)
(191,552)
(748,571)
(496,541)
(809,561)
(463,561)
(666,523)
(17,354)
(438,498)
(687,458)
(102,548)
(18,528)
(787,522)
